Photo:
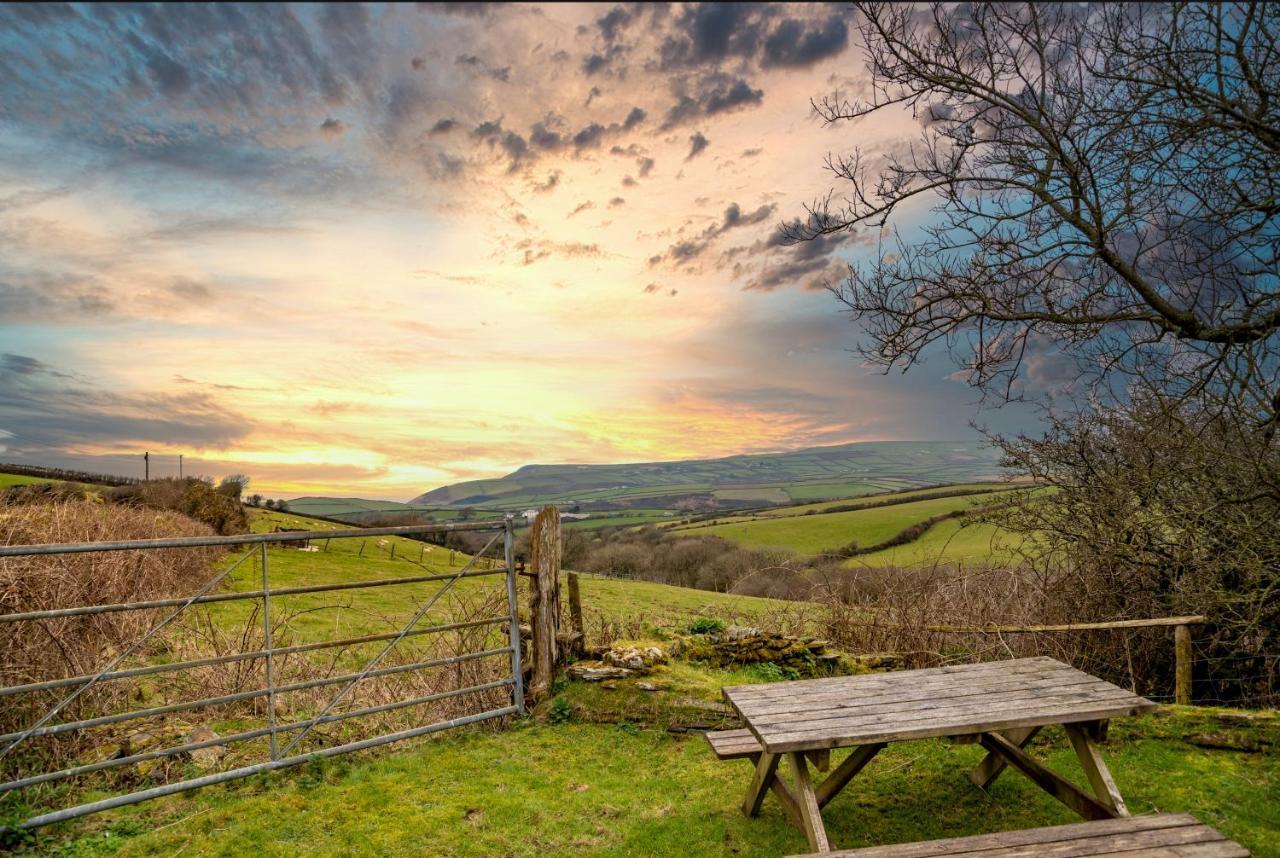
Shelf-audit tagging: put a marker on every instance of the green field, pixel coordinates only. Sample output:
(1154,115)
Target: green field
(359,612)
(811,534)
(9,480)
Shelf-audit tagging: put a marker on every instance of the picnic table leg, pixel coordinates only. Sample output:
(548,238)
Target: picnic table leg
(993,764)
(785,798)
(845,772)
(810,813)
(1095,768)
(766,772)
(1049,781)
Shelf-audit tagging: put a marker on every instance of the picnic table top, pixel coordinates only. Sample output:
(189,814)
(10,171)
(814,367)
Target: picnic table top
(842,711)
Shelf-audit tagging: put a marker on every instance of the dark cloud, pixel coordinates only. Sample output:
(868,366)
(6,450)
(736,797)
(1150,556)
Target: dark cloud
(690,248)
(751,153)
(793,44)
(617,201)
(646,166)
(629,182)
(811,264)
(43,410)
(713,93)
(589,137)
(532,251)
(583,206)
(697,142)
(634,118)
(594,63)
(613,22)
(443,126)
(333,127)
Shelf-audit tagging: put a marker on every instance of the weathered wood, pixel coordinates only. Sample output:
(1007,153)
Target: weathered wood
(1182,656)
(1051,782)
(1160,836)
(1095,769)
(845,772)
(1154,622)
(544,613)
(810,813)
(986,772)
(820,760)
(575,613)
(733,744)
(766,770)
(959,700)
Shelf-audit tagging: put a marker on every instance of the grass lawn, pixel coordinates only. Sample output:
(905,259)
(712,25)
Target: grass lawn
(810,534)
(9,480)
(621,789)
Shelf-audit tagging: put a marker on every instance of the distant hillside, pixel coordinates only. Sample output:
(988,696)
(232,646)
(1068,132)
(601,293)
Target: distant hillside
(816,473)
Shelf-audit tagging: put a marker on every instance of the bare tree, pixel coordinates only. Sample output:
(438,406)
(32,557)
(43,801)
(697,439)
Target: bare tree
(1104,239)
(1105,182)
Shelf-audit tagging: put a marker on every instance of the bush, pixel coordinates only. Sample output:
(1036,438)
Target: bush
(706,626)
(191,497)
(44,582)
(560,712)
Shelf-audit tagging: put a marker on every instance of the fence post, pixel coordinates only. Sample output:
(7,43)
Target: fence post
(544,616)
(1182,665)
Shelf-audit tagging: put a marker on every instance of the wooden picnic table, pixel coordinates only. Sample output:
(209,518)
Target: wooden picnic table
(1000,705)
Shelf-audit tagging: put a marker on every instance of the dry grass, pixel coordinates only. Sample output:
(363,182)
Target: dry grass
(34,651)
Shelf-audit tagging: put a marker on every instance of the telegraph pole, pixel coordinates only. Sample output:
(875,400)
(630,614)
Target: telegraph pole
(179,466)
(146,466)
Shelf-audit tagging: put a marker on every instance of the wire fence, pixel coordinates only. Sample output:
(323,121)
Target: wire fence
(256,657)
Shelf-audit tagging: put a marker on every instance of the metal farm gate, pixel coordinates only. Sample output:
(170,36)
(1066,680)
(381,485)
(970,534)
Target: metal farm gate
(283,738)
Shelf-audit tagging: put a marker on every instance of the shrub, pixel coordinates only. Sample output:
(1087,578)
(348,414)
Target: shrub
(191,497)
(560,712)
(706,626)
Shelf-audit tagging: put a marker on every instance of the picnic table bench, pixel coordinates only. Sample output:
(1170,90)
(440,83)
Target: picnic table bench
(1165,835)
(1000,705)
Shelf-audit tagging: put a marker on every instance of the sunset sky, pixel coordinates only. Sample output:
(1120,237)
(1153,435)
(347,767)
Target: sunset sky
(371,250)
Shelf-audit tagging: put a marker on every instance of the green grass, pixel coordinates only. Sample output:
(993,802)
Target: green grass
(810,534)
(622,790)
(9,480)
(953,541)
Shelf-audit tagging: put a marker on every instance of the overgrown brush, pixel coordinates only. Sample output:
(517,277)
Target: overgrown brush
(33,651)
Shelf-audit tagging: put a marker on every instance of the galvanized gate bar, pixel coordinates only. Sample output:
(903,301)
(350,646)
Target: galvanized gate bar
(413,621)
(240,696)
(116,762)
(246,771)
(240,539)
(238,597)
(279,759)
(19,738)
(174,666)
(517,672)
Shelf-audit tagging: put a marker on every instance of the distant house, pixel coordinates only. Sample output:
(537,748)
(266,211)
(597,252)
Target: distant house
(531,514)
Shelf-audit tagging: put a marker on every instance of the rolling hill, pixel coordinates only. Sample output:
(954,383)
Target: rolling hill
(816,473)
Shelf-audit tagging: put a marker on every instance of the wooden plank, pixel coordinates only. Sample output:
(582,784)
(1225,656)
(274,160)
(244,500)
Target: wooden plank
(1034,838)
(1095,769)
(1051,782)
(965,719)
(986,772)
(821,760)
(779,743)
(766,769)
(845,772)
(898,678)
(810,813)
(905,697)
(1012,699)
(733,744)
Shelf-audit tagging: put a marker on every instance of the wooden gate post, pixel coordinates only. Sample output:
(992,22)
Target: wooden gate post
(1182,656)
(544,614)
